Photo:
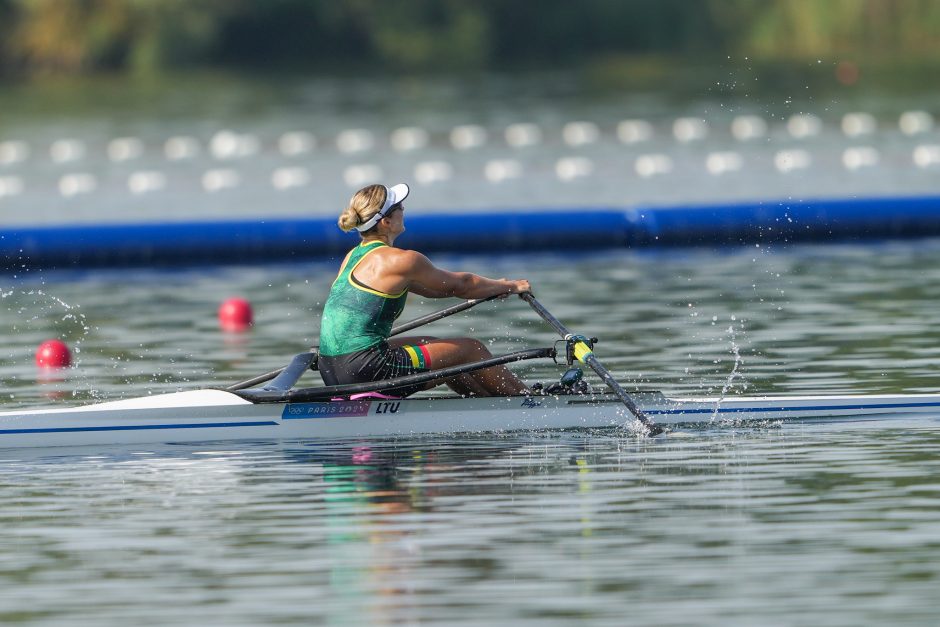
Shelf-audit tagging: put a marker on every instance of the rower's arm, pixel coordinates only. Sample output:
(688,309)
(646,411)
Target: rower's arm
(426,279)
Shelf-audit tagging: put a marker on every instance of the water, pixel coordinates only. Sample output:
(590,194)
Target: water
(807,524)
(803,320)
(787,525)
(823,526)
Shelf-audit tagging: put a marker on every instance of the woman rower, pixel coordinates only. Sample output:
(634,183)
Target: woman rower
(369,294)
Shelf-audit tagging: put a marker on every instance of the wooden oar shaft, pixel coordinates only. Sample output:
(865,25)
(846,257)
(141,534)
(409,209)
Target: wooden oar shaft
(587,357)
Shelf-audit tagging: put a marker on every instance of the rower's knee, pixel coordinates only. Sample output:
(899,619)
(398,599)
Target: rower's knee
(477,349)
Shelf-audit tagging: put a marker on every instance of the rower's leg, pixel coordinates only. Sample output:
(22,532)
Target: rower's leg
(446,352)
(466,385)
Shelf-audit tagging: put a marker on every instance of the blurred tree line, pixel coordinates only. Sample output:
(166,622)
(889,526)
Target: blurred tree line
(85,36)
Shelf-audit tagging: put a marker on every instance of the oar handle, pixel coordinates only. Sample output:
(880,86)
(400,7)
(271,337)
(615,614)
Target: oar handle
(586,355)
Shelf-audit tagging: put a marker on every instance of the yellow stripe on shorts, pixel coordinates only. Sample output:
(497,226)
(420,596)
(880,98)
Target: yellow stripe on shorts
(417,359)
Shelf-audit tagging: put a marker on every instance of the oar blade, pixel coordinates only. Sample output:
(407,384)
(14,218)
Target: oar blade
(651,427)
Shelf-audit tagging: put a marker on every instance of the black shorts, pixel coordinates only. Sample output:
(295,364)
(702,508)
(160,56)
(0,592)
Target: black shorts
(376,364)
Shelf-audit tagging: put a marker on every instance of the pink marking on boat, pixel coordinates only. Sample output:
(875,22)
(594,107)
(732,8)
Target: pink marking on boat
(356,397)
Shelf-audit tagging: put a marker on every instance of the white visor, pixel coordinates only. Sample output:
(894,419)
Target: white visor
(393,195)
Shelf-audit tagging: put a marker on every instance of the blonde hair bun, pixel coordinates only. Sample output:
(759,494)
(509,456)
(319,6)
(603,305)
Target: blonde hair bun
(363,205)
(348,220)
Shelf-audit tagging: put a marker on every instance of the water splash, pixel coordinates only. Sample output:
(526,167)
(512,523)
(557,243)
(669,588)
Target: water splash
(735,370)
(71,318)
(39,314)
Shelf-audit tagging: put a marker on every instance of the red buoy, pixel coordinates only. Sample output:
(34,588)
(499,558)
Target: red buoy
(53,354)
(235,315)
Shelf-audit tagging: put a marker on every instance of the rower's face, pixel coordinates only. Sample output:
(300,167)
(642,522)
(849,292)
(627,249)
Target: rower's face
(396,219)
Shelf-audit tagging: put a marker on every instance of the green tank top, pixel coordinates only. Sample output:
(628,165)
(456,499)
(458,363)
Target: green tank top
(355,316)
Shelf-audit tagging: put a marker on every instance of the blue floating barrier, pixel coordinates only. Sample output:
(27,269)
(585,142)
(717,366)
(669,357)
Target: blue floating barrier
(158,244)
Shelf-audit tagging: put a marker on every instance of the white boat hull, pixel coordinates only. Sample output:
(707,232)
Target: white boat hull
(212,415)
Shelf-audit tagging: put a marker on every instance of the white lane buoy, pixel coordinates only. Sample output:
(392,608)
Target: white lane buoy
(790,160)
(296,143)
(915,122)
(747,127)
(146,181)
(364,174)
(409,138)
(580,133)
(355,140)
(499,170)
(648,166)
(468,136)
(860,157)
(181,147)
(571,168)
(721,162)
(858,124)
(125,148)
(634,131)
(224,145)
(523,134)
(232,145)
(804,125)
(428,172)
(289,178)
(66,150)
(11,186)
(927,155)
(13,151)
(78,183)
(689,129)
(220,179)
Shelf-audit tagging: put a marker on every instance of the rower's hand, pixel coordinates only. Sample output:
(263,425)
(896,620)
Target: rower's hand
(518,286)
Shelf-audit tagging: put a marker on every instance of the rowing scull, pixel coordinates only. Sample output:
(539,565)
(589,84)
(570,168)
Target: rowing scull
(278,410)
(213,415)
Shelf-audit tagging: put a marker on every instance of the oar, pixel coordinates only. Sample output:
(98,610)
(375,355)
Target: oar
(398,330)
(304,395)
(586,356)
(443,313)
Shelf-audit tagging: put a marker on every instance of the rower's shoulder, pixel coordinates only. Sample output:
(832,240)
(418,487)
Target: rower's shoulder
(401,256)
